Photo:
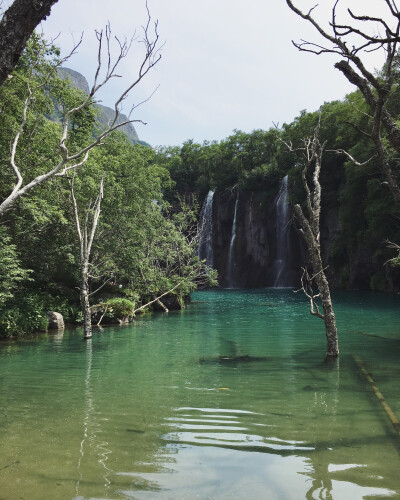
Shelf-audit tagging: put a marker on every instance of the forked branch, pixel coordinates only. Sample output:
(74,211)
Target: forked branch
(71,161)
(307,288)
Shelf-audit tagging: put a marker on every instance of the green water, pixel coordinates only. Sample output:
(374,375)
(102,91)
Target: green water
(229,399)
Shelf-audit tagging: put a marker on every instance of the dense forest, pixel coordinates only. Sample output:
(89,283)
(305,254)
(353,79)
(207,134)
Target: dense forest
(145,244)
(359,215)
(143,247)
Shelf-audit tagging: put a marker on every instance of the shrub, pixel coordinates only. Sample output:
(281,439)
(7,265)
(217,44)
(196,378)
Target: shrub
(26,313)
(118,307)
(23,315)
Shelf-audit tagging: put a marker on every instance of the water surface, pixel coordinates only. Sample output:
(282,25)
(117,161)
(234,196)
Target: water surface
(229,399)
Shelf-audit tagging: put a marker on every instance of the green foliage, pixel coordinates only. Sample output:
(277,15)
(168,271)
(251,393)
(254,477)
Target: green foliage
(246,161)
(118,307)
(24,314)
(395,261)
(11,273)
(134,217)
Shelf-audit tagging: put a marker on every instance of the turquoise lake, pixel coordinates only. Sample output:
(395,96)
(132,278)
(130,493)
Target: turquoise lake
(229,399)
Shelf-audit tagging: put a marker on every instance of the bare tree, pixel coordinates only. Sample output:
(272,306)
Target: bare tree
(350,42)
(86,232)
(72,160)
(16,26)
(312,152)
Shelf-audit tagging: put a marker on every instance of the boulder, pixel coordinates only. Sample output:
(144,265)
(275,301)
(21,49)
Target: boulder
(56,320)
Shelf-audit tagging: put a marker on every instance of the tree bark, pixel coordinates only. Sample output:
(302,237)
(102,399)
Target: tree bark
(312,152)
(16,26)
(313,247)
(381,118)
(86,236)
(162,305)
(85,302)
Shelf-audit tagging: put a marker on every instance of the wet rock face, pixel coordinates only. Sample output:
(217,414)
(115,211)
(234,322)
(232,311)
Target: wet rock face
(251,261)
(254,249)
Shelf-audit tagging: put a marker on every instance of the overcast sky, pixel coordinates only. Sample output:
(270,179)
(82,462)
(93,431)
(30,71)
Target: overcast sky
(226,64)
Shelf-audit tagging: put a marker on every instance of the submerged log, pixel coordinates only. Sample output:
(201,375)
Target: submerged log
(392,417)
(246,358)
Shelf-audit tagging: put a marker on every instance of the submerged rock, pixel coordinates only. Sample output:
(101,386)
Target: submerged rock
(233,359)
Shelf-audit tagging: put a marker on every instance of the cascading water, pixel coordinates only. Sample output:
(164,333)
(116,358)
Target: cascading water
(206,230)
(230,275)
(282,222)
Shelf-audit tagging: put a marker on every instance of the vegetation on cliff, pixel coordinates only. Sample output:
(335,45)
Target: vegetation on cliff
(358,212)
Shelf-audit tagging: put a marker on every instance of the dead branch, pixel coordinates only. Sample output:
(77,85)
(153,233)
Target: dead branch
(102,316)
(157,298)
(351,158)
(307,289)
(349,41)
(75,160)
(392,246)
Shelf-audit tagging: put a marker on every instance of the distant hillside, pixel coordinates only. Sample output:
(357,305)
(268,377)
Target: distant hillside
(106,113)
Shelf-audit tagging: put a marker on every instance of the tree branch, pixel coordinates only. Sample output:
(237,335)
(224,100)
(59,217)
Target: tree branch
(157,298)
(73,161)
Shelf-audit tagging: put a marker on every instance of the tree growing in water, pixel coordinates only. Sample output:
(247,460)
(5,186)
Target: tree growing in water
(86,233)
(309,221)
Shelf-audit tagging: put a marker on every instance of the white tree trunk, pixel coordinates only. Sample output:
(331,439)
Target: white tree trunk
(86,238)
(85,302)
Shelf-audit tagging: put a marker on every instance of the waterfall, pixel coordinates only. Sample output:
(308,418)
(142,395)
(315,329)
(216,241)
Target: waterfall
(206,230)
(282,222)
(231,257)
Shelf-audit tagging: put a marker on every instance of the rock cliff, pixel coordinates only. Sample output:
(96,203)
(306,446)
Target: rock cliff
(254,251)
(105,113)
(253,254)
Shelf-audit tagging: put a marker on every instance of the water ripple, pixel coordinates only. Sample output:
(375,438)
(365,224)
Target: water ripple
(226,428)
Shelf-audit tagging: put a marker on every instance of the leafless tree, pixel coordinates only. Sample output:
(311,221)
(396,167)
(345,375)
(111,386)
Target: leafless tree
(104,73)
(86,232)
(16,26)
(350,42)
(309,220)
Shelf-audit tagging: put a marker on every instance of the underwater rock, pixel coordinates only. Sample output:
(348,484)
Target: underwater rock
(232,359)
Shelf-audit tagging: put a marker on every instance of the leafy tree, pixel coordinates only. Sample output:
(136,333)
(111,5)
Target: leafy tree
(11,273)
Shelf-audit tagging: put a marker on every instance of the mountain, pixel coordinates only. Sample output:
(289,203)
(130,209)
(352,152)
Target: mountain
(105,113)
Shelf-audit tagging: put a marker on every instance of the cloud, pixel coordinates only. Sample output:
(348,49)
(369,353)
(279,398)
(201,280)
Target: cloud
(226,64)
